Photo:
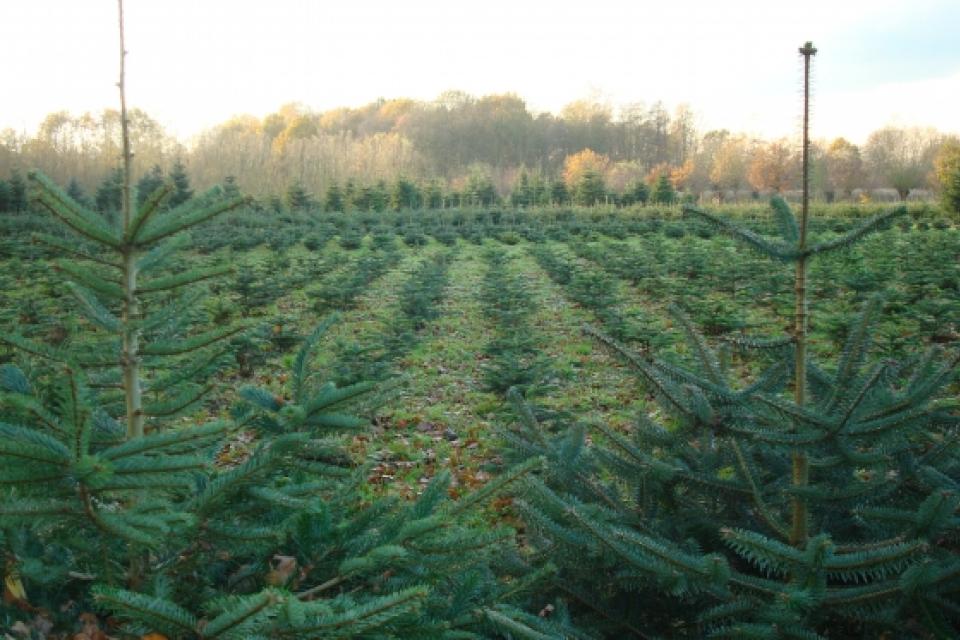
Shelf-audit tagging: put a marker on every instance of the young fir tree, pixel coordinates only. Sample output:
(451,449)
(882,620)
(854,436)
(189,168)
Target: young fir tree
(18,192)
(5,196)
(181,184)
(230,188)
(813,501)
(148,183)
(127,511)
(663,191)
(108,198)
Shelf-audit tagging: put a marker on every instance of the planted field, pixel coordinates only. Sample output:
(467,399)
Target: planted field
(454,309)
(492,339)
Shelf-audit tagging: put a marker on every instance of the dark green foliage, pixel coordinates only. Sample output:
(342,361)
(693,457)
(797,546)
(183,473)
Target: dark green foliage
(405,195)
(18,193)
(147,185)
(951,190)
(230,188)
(333,199)
(558,192)
(75,191)
(297,198)
(690,514)
(109,193)
(5,196)
(638,193)
(181,185)
(590,189)
(282,542)
(514,352)
(663,191)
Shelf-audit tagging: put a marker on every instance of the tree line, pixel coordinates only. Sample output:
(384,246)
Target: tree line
(461,149)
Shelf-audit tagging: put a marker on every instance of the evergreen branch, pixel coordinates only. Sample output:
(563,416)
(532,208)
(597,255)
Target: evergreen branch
(158,464)
(865,228)
(158,255)
(175,223)
(874,563)
(330,396)
(13,380)
(34,348)
(149,207)
(29,475)
(167,441)
(335,421)
(28,444)
(243,534)
(707,359)
(182,279)
(868,385)
(178,403)
(877,426)
(301,362)
(24,508)
(668,393)
(495,485)
(94,311)
(175,347)
(171,313)
(62,206)
(240,613)
(777,251)
(525,413)
(787,222)
(139,606)
(660,468)
(770,381)
(164,479)
(377,612)
(746,342)
(796,414)
(68,247)
(855,348)
(92,281)
(187,371)
(126,527)
(516,629)
(765,514)
(232,480)
(34,408)
(860,595)
(769,555)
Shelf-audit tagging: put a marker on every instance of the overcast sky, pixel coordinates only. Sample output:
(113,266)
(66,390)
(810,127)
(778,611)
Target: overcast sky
(195,63)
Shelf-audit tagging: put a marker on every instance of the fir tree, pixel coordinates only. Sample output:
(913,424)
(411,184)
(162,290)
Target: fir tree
(590,189)
(333,200)
(5,196)
(125,499)
(109,196)
(405,195)
(75,191)
(18,192)
(297,198)
(148,183)
(810,501)
(638,193)
(230,188)
(181,185)
(559,193)
(663,191)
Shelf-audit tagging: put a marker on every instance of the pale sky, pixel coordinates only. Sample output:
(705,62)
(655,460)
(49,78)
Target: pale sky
(195,63)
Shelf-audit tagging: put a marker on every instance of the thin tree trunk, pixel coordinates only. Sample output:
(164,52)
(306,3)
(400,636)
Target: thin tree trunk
(801,466)
(130,313)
